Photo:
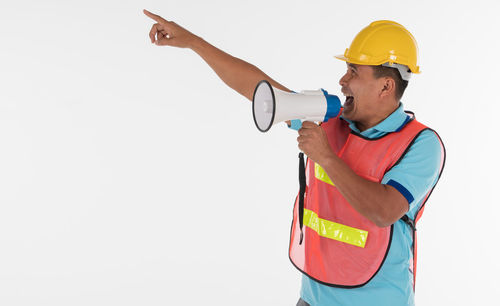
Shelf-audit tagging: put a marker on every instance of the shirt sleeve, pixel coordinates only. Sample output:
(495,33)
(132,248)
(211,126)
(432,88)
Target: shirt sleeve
(418,171)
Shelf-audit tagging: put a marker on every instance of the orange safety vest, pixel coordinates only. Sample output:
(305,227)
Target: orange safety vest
(330,241)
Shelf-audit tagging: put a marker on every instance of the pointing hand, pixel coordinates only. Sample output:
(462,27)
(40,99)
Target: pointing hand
(168,33)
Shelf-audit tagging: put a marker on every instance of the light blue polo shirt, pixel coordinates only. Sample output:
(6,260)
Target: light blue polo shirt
(414,176)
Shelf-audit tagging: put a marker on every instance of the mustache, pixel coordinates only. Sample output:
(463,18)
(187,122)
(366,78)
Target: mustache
(345,91)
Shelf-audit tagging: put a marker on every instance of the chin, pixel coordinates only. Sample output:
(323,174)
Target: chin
(347,115)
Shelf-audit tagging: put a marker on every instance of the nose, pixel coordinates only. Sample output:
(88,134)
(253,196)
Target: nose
(344,79)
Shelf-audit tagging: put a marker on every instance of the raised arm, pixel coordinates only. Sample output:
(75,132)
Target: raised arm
(236,73)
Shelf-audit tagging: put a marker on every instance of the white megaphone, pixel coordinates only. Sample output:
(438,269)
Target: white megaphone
(271,105)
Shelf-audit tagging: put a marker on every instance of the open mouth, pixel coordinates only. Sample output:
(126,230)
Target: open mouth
(349,100)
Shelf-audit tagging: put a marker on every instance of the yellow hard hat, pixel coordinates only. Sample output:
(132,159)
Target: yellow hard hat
(383,41)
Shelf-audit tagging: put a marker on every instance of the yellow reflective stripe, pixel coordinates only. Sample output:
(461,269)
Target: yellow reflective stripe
(321,175)
(335,231)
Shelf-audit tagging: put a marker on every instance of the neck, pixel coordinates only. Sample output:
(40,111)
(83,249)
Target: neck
(378,117)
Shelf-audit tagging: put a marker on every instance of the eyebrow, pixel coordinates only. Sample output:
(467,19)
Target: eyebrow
(352,66)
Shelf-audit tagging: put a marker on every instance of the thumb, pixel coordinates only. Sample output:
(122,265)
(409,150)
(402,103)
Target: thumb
(163,39)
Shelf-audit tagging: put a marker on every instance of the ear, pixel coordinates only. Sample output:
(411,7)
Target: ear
(388,87)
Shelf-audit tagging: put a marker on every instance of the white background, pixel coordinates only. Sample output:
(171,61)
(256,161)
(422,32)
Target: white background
(131,175)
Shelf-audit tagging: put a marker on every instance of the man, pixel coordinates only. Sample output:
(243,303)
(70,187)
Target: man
(368,175)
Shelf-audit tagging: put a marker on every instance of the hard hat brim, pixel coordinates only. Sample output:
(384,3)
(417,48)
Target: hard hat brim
(341,57)
(415,69)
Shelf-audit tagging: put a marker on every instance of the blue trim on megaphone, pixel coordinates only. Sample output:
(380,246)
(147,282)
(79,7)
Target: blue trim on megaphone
(332,105)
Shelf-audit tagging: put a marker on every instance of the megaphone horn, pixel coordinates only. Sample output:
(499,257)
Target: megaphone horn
(271,105)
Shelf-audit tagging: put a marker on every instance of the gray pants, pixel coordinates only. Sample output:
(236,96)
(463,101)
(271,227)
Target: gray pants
(301,302)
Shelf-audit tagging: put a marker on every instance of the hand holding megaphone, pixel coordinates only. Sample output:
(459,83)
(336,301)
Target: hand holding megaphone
(313,142)
(271,105)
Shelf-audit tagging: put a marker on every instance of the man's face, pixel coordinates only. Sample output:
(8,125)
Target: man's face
(362,91)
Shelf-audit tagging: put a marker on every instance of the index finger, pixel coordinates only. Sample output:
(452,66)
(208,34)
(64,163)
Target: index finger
(154,17)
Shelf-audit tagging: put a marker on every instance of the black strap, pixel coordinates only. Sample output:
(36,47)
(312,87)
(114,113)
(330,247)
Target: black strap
(302,191)
(412,225)
(409,221)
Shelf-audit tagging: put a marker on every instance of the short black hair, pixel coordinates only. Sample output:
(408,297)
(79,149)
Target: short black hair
(384,71)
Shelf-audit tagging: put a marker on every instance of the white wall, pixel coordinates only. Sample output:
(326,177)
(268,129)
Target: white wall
(131,175)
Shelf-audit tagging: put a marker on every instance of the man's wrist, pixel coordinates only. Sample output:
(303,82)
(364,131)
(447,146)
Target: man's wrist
(328,161)
(195,43)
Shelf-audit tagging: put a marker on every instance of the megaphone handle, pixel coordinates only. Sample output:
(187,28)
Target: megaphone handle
(302,190)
